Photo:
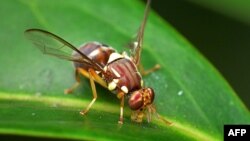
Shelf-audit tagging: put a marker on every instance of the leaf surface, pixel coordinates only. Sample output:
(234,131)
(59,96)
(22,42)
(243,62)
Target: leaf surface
(189,90)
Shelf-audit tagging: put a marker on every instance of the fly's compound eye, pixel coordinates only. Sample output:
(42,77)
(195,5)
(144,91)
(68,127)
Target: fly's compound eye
(141,98)
(136,101)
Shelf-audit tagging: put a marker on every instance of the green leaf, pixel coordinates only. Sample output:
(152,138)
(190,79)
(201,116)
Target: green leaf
(189,91)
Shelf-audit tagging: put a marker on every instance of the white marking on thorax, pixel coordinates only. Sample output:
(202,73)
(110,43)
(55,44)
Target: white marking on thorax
(105,68)
(94,53)
(115,72)
(142,83)
(98,72)
(135,44)
(114,56)
(116,80)
(125,55)
(124,89)
(111,85)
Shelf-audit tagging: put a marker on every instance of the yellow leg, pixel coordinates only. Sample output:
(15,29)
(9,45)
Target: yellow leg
(92,83)
(121,108)
(85,73)
(146,72)
(75,85)
(98,79)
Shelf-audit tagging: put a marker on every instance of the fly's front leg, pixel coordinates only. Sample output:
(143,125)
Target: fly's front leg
(76,84)
(92,75)
(146,72)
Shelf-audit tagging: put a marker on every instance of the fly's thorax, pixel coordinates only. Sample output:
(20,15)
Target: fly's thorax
(96,51)
(124,74)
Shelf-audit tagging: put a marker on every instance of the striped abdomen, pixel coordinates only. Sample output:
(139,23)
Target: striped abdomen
(125,74)
(98,52)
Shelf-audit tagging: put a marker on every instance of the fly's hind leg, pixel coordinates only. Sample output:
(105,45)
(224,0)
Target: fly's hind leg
(121,97)
(92,77)
(76,84)
(146,72)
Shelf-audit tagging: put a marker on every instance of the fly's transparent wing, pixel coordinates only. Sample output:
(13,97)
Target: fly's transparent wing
(52,44)
(136,46)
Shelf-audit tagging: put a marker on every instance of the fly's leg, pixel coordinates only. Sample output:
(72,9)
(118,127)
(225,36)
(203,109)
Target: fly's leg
(121,96)
(146,72)
(152,110)
(76,84)
(121,111)
(95,77)
(85,73)
(92,77)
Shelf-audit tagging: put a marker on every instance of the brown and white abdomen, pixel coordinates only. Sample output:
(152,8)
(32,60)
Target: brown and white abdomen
(98,52)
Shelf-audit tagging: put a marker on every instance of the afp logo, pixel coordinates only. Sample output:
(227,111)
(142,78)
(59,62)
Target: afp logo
(236,132)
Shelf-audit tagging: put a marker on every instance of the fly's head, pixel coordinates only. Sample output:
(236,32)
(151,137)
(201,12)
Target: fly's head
(140,102)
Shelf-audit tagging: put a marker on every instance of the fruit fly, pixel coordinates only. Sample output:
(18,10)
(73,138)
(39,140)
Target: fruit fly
(100,63)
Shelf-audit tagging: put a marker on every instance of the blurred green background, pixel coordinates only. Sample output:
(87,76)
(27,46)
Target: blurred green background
(220,30)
